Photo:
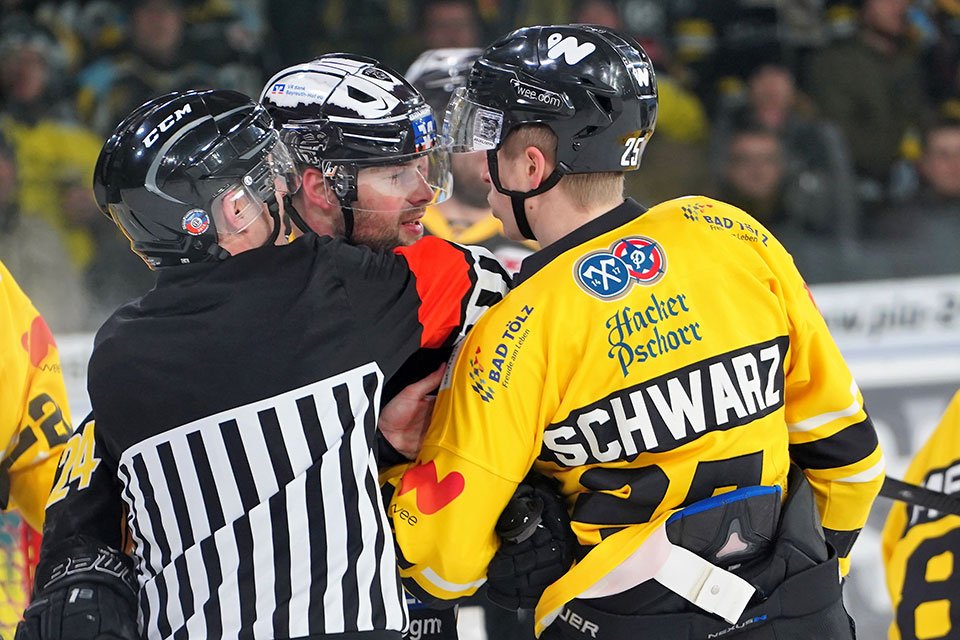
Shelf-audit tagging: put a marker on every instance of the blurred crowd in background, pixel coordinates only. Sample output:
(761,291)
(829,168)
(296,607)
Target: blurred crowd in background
(835,123)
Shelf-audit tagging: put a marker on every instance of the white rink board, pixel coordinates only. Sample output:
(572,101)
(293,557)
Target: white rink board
(901,338)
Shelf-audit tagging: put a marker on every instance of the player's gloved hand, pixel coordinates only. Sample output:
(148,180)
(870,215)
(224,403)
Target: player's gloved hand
(537,545)
(89,594)
(82,611)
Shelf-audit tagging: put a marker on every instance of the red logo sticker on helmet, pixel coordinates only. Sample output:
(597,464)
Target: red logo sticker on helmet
(196,222)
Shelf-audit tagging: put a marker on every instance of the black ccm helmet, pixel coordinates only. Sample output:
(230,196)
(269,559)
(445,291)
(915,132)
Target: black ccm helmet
(187,167)
(342,113)
(594,88)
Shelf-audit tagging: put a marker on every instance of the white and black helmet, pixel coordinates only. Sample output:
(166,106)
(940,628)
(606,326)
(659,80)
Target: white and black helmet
(342,113)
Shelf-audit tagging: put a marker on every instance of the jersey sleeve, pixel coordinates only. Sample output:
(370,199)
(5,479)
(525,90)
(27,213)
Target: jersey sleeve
(456,284)
(85,497)
(447,286)
(830,434)
(464,475)
(919,545)
(34,415)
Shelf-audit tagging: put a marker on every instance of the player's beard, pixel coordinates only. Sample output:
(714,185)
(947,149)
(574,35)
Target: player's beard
(385,233)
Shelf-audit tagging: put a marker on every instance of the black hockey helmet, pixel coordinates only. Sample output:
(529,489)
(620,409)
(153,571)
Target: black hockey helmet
(437,73)
(342,113)
(594,88)
(186,167)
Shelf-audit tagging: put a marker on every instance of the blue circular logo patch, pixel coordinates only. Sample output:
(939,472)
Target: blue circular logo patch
(603,275)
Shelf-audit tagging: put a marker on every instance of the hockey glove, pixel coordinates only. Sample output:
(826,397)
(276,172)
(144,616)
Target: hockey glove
(537,545)
(88,593)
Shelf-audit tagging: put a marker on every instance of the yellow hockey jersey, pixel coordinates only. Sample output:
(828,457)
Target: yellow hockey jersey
(34,417)
(648,360)
(921,547)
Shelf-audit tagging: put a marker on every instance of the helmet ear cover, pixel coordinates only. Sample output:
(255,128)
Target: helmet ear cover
(342,179)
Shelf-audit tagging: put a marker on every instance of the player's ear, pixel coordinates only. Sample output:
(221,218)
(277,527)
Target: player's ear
(536,166)
(317,191)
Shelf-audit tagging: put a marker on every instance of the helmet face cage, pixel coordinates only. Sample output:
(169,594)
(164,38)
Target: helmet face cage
(594,88)
(169,169)
(345,114)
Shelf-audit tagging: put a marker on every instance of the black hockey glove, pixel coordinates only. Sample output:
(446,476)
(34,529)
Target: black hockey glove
(89,592)
(537,545)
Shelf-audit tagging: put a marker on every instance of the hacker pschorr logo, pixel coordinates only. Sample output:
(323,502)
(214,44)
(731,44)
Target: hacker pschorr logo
(610,275)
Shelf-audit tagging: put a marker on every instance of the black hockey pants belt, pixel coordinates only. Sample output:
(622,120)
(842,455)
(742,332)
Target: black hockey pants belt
(797,582)
(807,605)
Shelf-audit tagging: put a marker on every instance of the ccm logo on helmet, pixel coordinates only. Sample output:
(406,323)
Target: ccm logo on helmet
(167,122)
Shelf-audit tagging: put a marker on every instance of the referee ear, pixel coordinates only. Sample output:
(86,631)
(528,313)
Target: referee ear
(316,192)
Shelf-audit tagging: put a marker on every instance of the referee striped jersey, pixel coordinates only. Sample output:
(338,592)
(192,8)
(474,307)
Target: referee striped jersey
(234,417)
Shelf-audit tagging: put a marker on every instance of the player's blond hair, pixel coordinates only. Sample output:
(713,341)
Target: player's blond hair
(583,189)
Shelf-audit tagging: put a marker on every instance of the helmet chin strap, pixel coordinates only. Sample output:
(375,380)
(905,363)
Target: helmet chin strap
(216,253)
(274,209)
(291,214)
(518,198)
(348,219)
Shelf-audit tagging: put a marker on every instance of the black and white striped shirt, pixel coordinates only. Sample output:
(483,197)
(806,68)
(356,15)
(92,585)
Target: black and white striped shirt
(250,518)
(235,411)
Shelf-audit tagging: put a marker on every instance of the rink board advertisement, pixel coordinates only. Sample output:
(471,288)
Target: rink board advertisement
(901,338)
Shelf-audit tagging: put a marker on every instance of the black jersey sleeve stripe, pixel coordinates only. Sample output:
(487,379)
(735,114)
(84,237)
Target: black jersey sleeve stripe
(842,541)
(170,471)
(211,608)
(847,446)
(351,495)
(318,536)
(205,476)
(373,593)
(149,505)
(273,435)
(242,474)
(246,578)
(281,564)
(307,408)
(142,545)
